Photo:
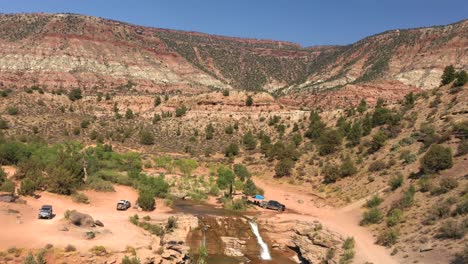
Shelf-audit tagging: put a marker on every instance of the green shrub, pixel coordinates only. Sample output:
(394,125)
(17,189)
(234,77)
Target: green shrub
(186,166)
(377,165)
(249,101)
(425,184)
(445,185)
(395,217)
(331,173)
(29,259)
(235,205)
(388,237)
(28,187)
(99,185)
(396,182)
(132,260)
(80,198)
(7,186)
(378,141)
(448,75)
(375,201)
(453,229)
(181,111)
(171,223)
(284,167)
(12,110)
(231,150)
(329,142)
(209,131)
(98,250)
(436,158)
(348,243)
(372,216)
(407,157)
(249,141)
(461,150)
(146,137)
(70,248)
(146,200)
(75,94)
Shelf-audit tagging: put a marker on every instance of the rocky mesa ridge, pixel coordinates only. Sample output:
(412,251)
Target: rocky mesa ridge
(67,50)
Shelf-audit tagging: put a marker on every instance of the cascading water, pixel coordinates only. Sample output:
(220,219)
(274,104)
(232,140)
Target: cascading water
(264,252)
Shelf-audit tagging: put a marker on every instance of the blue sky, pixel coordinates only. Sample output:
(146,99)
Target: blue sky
(308,22)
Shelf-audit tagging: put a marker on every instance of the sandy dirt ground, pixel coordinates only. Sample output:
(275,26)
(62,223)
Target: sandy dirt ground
(344,221)
(21,228)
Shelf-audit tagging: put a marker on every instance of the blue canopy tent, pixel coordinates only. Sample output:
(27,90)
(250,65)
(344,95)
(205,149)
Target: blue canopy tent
(258,197)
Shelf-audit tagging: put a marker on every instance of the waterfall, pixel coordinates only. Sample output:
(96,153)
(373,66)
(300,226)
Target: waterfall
(264,252)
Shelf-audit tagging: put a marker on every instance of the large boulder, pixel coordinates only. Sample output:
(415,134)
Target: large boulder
(80,219)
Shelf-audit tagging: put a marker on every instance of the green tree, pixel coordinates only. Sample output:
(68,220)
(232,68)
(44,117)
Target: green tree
(249,141)
(249,188)
(241,172)
(366,125)
(316,126)
(437,158)
(409,100)
(249,101)
(146,199)
(226,178)
(449,75)
(62,181)
(284,167)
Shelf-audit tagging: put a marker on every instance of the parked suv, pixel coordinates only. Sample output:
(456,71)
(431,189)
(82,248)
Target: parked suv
(273,205)
(46,212)
(123,205)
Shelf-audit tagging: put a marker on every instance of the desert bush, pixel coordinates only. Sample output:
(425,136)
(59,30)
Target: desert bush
(374,201)
(209,131)
(132,260)
(462,147)
(377,142)
(75,94)
(7,186)
(12,110)
(146,137)
(229,130)
(70,248)
(181,111)
(235,205)
(445,185)
(29,259)
(436,158)
(462,206)
(249,101)
(453,229)
(371,216)
(395,216)
(98,250)
(396,182)
(284,167)
(249,141)
(99,185)
(186,166)
(171,223)
(80,198)
(407,157)
(425,184)
(231,150)
(377,165)
(3,123)
(388,237)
